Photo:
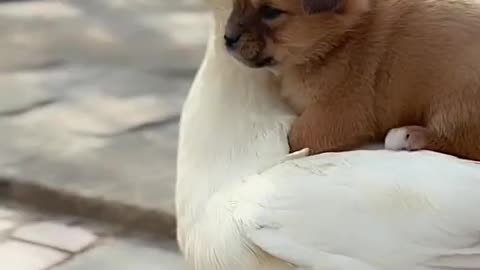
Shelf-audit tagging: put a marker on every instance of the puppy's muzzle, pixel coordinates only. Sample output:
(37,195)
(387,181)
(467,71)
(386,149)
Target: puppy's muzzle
(231,41)
(247,49)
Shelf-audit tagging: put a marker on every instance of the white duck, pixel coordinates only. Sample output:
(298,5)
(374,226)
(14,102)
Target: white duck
(243,204)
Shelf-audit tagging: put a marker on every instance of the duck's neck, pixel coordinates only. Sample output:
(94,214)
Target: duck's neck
(233,125)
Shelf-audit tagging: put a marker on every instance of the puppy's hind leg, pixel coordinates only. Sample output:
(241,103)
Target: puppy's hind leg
(409,138)
(443,133)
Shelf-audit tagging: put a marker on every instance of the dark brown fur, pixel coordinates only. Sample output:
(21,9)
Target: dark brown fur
(355,69)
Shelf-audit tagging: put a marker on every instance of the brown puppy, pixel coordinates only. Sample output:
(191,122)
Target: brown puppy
(356,69)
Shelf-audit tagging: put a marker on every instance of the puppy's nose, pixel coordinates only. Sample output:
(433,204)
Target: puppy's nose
(231,41)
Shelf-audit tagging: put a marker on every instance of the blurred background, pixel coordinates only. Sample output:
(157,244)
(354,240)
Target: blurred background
(91,94)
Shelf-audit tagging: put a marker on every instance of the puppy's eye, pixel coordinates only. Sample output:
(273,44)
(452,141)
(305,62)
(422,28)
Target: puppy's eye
(270,13)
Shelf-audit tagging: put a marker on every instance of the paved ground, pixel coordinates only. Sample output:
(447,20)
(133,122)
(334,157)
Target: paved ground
(34,241)
(90,97)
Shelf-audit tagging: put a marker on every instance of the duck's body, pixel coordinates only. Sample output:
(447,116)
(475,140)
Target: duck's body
(240,207)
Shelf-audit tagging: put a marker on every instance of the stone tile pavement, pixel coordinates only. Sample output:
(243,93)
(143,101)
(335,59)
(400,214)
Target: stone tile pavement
(90,96)
(35,241)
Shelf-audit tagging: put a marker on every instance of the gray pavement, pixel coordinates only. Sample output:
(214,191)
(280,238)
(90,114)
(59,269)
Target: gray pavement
(31,240)
(91,92)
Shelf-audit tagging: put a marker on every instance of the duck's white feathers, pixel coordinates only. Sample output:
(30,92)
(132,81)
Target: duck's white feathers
(334,211)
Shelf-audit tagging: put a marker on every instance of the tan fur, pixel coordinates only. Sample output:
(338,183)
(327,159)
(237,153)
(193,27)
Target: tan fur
(373,65)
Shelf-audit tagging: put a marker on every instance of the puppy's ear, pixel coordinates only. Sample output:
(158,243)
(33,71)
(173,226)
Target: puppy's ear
(317,6)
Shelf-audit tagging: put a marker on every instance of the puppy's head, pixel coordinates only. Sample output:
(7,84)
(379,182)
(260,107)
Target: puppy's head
(263,33)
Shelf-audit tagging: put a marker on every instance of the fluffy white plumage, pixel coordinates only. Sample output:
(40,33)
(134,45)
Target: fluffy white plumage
(242,205)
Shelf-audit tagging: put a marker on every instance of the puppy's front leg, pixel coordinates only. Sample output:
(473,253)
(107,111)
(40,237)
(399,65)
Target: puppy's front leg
(327,128)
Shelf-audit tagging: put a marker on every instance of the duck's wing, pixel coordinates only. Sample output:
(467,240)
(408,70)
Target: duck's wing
(366,210)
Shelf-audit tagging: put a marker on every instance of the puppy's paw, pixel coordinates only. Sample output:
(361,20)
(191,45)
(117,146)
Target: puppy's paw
(297,154)
(409,138)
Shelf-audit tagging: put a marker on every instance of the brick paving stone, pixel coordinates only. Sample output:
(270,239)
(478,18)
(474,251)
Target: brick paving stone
(127,255)
(6,212)
(42,9)
(15,255)
(100,114)
(72,239)
(100,229)
(6,225)
(25,91)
